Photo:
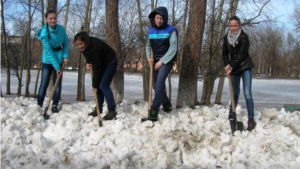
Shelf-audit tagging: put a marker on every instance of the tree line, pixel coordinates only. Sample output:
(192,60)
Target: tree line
(201,24)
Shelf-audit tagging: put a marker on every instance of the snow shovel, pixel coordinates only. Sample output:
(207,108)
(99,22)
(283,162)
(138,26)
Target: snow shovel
(46,116)
(150,90)
(96,100)
(233,122)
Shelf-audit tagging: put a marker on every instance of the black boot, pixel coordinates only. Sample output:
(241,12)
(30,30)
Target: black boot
(94,112)
(153,115)
(167,108)
(110,115)
(55,109)
(251,124)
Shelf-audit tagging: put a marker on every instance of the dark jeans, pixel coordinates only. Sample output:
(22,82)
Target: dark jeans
(159,78)
(247,85)
(104,89)
(47,70)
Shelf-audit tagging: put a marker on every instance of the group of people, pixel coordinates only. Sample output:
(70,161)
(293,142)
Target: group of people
(162,40)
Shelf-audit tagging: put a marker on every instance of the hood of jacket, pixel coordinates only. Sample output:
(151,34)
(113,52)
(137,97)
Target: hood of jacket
(161,11)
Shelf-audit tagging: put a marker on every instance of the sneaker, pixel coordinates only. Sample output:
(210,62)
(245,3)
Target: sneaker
(251,124)
(110,115)
(55,109)
(167,109)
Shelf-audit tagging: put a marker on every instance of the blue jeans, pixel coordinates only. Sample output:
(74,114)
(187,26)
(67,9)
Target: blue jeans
(47,70)
(247,85)
(104,89)
(159,78)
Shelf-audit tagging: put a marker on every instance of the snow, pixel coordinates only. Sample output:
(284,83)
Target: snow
(185,138)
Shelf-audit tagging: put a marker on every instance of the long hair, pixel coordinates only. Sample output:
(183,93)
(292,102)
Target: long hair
(83,36)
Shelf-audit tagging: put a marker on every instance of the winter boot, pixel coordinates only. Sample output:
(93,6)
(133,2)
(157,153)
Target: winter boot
(153,115)
(110,115)
(251,124)
(54,109)
(94,112)
(232,121)
(167,108)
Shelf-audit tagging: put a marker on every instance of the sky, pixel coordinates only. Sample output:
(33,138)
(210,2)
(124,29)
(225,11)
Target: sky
(183,139)
(277,8)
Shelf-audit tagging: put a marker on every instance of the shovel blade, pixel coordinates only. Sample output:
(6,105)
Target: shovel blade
(232,126)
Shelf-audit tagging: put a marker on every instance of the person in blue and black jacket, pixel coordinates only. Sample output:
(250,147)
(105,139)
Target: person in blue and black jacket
(55,51)
(162,39)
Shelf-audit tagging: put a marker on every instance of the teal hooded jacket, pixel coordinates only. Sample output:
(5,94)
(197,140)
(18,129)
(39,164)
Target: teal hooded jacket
(58,37)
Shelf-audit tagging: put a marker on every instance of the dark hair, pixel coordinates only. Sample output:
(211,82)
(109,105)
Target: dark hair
(49,12)
(83,36)
(235,18)
(46,15)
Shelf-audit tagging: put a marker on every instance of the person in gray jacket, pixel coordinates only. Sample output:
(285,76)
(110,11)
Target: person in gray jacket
(162,39)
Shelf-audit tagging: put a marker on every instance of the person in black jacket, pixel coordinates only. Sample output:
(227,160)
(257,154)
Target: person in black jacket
(236,44)
(104,62)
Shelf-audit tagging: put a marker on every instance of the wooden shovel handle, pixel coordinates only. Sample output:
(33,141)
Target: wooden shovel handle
(150,83)
(96,99)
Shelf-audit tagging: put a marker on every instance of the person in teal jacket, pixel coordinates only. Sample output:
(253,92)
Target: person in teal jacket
(55,51)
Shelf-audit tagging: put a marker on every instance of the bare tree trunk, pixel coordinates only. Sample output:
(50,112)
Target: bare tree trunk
(183,37)
(20,73)
(51,5)
(189,70)
(28,77)
(5,50)
(80,81)
(220,90)
(39,65)
(153,4)
(37,80)
(43,11)
(113,39)
(65,25)
(143,54)
(67,13)
(82,68)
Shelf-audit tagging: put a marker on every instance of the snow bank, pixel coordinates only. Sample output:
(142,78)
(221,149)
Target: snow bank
(184,138)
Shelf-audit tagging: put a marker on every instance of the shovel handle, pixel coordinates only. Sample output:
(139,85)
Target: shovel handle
(150,83)
(96,100)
